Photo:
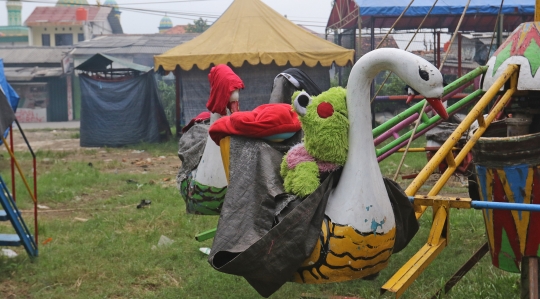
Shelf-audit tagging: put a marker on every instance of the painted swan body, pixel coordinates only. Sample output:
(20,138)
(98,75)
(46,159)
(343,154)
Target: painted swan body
(205,186)
(359,230)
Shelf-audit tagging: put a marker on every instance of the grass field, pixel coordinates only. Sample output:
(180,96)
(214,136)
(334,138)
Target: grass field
(102,246)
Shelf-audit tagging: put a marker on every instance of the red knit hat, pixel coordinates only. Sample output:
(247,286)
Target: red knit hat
(223,81)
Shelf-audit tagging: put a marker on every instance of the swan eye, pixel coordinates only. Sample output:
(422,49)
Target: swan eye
(423,74)
(301,102)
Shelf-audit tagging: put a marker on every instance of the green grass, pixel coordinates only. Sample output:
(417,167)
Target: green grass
(111,255)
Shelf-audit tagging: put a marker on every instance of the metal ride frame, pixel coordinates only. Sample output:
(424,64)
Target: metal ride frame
(440,232)
(405,118)
(15,164)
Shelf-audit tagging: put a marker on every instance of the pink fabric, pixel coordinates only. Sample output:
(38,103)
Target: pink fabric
(298,154)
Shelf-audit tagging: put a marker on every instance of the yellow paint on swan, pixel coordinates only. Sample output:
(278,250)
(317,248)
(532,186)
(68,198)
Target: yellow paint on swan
(343,253)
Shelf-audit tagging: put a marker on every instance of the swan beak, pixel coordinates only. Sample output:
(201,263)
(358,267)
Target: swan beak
(410,98)
(437,105)
(234,107)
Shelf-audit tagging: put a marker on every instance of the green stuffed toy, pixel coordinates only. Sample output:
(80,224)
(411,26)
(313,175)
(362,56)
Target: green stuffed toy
(325,123)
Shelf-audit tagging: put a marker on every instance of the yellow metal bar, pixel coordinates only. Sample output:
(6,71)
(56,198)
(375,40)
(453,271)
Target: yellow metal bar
(19,169)
(437,240)
(453,202)
(438,226)
(405,276)
(225,148)
(456,135)
(450,160)
(469,145)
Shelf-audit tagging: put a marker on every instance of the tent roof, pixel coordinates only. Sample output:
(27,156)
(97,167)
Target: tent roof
(100,62)
(480,16)
(251,31)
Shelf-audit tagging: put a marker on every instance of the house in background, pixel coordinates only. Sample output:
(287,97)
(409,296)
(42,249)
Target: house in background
(37,76)
(68,25)
(14,34)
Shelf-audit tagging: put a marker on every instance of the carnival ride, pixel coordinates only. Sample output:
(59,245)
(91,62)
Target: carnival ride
(508,180)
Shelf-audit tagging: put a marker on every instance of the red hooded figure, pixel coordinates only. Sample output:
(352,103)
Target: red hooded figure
(223,81)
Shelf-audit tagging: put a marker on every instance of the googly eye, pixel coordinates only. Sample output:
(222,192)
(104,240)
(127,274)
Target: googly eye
(301,102)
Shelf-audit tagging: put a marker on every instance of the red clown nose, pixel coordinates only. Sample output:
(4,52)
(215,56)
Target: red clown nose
(325,110)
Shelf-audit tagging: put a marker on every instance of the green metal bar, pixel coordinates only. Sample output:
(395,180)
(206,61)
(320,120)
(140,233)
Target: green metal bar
(425,118)
(209,234)
(431,121)
(416,107)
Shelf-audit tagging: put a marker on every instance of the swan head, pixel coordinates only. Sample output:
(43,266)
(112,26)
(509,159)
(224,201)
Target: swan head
(325,123)
(233,105)
(426,80)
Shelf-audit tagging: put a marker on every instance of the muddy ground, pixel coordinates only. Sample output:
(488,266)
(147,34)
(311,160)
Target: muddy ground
(121,159)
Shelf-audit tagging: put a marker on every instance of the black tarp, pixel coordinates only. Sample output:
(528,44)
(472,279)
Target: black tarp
(121,113)
(263,233)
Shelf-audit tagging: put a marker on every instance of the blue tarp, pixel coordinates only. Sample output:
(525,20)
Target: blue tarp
(9,92)
(389,8)
(11,95)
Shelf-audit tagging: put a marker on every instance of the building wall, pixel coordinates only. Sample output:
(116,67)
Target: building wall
(37,32)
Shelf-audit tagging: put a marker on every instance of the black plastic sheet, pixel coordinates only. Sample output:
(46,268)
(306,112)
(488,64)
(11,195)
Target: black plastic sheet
(121,113)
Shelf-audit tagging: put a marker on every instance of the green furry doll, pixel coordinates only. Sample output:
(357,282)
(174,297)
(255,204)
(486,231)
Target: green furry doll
(326,141)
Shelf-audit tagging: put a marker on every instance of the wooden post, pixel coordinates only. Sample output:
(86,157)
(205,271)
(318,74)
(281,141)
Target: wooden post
(360,35)
(438,49)
(537,11)
(499,30)
(178,95)
(459,37)
(529,277)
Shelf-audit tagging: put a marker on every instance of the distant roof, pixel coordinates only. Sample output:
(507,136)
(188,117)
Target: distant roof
(65,15)
(178,29)
(111,3)
(153,44)
(71,3)
(250,31)
(33,55)
(480,15)
(29,73)
(101,62)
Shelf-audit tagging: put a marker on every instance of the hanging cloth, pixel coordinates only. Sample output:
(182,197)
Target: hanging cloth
(223,81)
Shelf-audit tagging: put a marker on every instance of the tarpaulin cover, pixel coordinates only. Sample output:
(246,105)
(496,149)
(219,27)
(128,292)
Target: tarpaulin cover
(258,81)
(6,93)
(121,113)
(265,234)
(250,31)
(481,15)
(7,117)
(443,7)
(191,148)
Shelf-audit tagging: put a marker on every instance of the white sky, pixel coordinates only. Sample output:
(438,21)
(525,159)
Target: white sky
(311,13)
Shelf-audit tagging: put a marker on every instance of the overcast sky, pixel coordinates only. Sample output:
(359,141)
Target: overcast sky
(312,13)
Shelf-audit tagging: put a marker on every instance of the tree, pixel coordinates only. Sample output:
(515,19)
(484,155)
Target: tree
(198,26)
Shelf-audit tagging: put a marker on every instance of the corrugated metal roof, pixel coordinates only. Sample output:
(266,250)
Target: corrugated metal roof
(29,55)
(154,44)
(29,73)
(65,15)
(101,62)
